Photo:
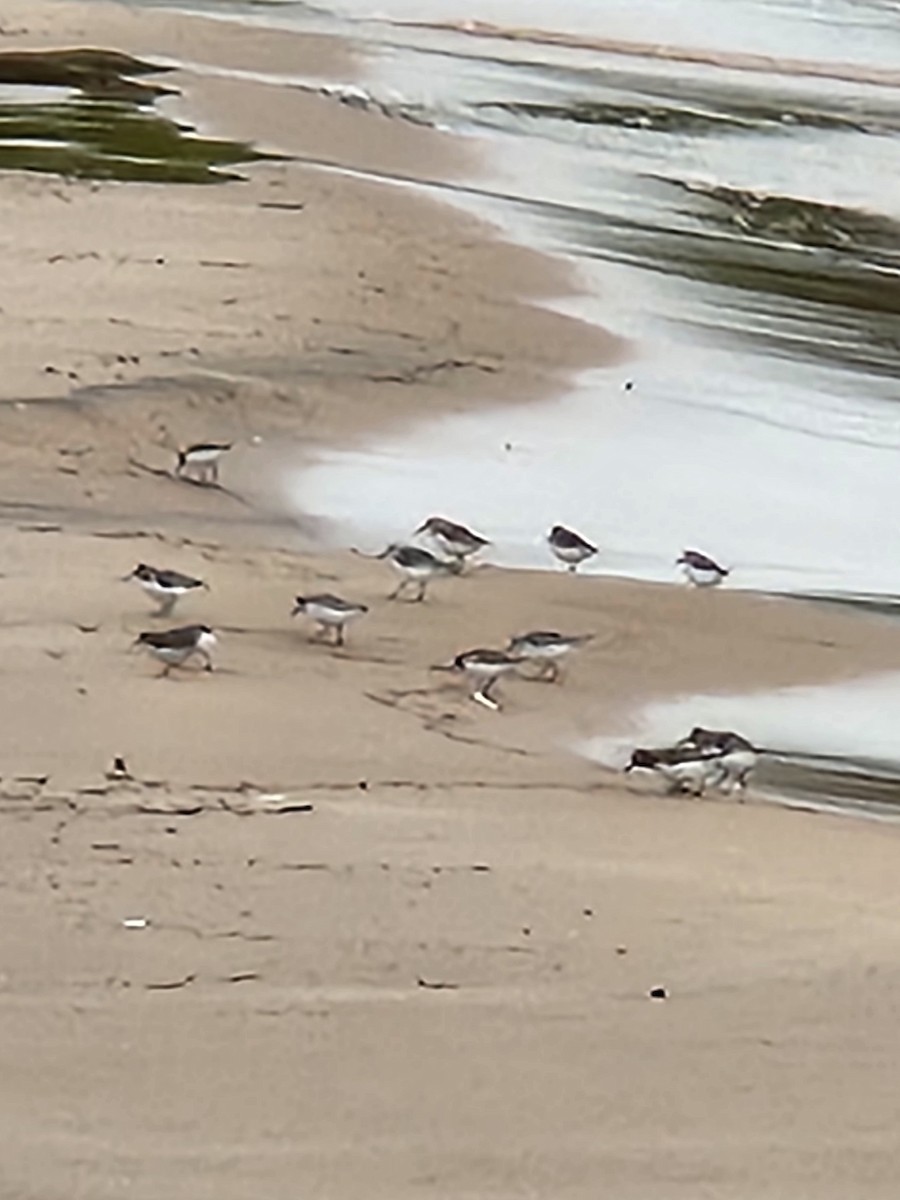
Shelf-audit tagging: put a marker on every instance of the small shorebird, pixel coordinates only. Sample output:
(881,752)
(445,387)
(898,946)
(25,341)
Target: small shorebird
(737,757)
(174,647)
(569,547)
(454,540)
(700,569)
(546,647)
(329,612)
(417,566)
(166,587)
(721,740)
(683,770)
(201,461)
(484,667)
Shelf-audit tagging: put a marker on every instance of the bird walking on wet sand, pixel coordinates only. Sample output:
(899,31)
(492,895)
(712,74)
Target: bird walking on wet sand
(330,613)
(164,586)
(200,462)
(173,647)
(683,770)
(451,539)
(705,757)
(718,740)
(418,567)
(569,547)
(484,668)
(736,755)
(547,648)
(701,570)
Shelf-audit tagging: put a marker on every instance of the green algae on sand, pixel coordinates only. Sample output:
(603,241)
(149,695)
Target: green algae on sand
(104,125)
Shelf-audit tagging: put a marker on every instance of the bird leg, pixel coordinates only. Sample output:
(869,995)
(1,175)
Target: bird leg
(395,594)
(166,604)
(482,695)
(338,635)
(423,584)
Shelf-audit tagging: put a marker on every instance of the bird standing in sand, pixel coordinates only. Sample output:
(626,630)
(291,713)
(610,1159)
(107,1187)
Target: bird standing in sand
(569,547)
(484,668)
(547,648)
(418,567)
(166,587)
(701,570)
(201,461)
(451,539)
(330,613)
(173,647)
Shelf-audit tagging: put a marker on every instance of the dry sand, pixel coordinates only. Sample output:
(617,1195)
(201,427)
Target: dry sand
(435,982)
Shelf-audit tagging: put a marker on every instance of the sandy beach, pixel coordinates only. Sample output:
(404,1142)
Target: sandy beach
(344,933)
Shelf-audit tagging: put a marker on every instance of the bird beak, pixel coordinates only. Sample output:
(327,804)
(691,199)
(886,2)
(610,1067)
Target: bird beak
(443,667)
(296,609)
(127,578)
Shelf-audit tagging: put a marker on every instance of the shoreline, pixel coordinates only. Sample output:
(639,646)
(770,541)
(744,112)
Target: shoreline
(339,923)
(365,366)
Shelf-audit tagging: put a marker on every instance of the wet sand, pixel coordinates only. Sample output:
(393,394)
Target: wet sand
(434,982)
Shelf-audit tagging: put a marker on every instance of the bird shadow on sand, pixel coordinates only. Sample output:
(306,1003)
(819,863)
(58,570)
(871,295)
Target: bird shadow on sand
(186,480)
(414,702)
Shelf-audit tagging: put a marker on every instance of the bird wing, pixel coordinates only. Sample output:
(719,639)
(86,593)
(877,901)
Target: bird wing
(175,579)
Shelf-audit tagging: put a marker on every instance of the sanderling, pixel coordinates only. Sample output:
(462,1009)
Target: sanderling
(684,770)
(329,612)
(736,756)
(166,587)
(546,647)
(484,667)
(722,740)
(201,461)
(569,547)
(417,566)
(174,647)
(700,569)
(454,540)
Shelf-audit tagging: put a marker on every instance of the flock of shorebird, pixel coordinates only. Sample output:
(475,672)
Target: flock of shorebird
(704,758)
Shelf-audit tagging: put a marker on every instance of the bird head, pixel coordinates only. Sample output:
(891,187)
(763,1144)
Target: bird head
(141,571)
(641,758)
